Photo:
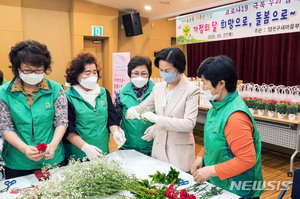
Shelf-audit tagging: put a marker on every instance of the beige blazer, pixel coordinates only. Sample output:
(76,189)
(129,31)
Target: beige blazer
(174,141)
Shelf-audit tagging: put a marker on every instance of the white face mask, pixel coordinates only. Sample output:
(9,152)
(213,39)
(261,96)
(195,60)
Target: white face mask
(89,83)
(209,96)
(32,78)
(139,81)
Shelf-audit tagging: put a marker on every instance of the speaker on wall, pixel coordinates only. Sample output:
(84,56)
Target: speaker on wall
(132,24)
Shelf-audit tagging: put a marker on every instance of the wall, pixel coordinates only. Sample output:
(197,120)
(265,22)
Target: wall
(157,34)
(11,31)
(86,14)
(62,26)
(49,23)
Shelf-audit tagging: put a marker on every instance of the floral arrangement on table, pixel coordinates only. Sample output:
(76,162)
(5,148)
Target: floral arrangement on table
(281,109)
(270,106)
(103,177)
(292,111)
(260,106)
(251,103)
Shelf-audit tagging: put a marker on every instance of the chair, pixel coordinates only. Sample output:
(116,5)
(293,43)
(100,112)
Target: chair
(295,186)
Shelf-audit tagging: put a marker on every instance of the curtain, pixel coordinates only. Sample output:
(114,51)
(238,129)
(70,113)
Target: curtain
(264,59)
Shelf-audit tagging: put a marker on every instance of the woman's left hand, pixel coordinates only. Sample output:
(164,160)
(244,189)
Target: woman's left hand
(50,151)
(204,174)
(152,117)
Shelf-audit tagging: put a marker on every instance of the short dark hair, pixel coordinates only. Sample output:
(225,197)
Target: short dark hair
(32,53)
(1,77)
(219,68)
(172,55)
(138,61)
(77,66)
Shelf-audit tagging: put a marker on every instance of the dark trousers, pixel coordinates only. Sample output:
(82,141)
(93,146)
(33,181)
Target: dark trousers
(13,173)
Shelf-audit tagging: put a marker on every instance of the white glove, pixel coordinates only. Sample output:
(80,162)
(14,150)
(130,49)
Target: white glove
(150,133)
(1,143)
(119,137)
(91,151)
(132,113)
(150,116)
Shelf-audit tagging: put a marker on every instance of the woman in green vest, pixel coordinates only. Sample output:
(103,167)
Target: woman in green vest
(92,115)
(2,80)
(231,156)
(132,94)
(33,109)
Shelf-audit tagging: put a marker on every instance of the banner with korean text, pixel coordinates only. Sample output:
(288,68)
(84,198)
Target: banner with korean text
(119,74)
(246,19)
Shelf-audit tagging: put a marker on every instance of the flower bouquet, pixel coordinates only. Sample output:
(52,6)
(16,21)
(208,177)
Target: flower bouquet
(281,109)
(292,111)
(270,106)
(260,106)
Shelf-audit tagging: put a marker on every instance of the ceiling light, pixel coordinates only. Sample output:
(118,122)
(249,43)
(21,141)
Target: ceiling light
(147,7)
(164,2)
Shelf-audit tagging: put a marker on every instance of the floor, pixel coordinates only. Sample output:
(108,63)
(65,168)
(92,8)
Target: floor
(275,166)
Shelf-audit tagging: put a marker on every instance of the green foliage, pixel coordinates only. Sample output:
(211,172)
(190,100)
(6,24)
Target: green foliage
(281,108)
(271,105)
(251,103)
(162,178)
(292,109)
(260,105)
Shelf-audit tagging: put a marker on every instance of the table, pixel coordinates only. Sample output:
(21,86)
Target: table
(280,132)
(131,161)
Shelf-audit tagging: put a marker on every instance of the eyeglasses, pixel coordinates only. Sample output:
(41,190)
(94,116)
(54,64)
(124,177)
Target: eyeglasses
(39,71)
(137,74)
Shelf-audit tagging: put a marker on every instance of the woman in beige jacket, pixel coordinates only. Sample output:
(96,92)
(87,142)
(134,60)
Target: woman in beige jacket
(175,101)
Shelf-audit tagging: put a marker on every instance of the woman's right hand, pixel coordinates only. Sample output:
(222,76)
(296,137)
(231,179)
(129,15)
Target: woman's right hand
(197,164)
(32,153)
(132,113)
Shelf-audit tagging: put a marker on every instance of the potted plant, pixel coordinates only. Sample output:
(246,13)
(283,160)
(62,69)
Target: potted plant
(251,103)
(270,106)
(260,106)
(292,111)
(298,114)
(281,109)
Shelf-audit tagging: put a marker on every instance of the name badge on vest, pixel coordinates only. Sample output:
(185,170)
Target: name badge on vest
(103,103)
(47,106)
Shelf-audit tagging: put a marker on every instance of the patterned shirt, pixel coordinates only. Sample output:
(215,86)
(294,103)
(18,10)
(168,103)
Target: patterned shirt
(60,105)
(139,92)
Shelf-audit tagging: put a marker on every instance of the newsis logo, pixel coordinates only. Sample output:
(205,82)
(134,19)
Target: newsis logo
(258,185)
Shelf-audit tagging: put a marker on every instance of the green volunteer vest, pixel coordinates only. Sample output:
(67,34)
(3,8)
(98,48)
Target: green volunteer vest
(31,125)
(90,123)
(4,81)
(134,129)
(217,150)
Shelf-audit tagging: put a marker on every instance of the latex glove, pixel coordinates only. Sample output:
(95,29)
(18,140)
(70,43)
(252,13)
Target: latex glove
(132,113)
(91,151)
(119,137)
(205,173)
(150,116)
(150,133)
(1,143)
(197,164)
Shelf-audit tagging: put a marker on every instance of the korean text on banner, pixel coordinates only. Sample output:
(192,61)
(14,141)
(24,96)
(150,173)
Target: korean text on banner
(246,19)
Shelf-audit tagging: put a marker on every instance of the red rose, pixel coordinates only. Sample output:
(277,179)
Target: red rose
(192,196)
(41,147)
